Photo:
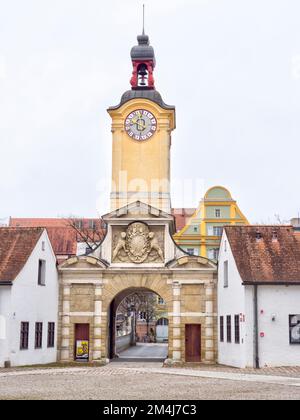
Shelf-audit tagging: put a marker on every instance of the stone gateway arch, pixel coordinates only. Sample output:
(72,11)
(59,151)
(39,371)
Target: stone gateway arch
(89,285)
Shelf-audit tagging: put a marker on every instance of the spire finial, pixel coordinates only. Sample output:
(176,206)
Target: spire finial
(143,19)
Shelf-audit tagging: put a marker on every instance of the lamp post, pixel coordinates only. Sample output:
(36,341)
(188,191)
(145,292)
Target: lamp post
(132,312)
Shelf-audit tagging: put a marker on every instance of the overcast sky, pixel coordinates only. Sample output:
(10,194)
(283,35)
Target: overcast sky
(231,67)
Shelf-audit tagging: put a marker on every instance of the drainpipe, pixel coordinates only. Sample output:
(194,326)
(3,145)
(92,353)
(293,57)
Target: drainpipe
(256,332)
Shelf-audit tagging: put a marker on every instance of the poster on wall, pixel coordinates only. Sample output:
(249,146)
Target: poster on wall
(295,329)
(82,350)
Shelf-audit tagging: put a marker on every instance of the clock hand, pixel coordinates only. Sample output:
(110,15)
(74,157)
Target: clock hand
(139,116)
(140,124)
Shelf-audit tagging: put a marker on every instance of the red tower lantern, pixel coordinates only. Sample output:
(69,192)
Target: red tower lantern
(143,61)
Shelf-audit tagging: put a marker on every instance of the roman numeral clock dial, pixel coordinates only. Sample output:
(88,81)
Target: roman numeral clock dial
(141,125)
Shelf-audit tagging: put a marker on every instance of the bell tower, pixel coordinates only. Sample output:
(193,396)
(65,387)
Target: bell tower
(141,134)
(143,60)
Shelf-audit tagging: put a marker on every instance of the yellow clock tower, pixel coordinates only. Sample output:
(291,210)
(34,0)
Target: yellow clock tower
(142,125)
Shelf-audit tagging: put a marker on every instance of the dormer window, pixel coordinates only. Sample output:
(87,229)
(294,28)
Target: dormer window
(258,235)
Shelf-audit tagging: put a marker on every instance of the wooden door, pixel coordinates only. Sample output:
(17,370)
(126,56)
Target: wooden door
(82,334)
(193,343)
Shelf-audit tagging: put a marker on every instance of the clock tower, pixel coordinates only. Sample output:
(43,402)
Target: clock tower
(141,132)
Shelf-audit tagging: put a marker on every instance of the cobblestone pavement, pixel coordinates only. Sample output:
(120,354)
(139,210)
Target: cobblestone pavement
(138,381)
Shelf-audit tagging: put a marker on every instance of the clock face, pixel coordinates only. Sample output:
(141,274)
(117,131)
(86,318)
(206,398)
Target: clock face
(140,125)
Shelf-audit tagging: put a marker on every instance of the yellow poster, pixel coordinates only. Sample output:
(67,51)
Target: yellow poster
(82,349)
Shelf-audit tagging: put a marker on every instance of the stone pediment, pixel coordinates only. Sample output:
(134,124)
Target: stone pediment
(138,211)
(83,262)
(192,262)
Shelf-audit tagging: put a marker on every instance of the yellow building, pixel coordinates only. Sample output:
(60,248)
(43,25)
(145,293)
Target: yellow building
(201,236)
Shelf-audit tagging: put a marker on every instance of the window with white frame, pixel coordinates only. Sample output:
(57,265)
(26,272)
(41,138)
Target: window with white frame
(213,254)
(218,213)
(218,230)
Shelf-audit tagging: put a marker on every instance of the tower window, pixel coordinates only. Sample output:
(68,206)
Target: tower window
(143,75)
(218,213)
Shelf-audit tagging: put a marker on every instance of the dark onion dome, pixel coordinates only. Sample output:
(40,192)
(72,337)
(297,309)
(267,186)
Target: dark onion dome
(143,51)
(152,95)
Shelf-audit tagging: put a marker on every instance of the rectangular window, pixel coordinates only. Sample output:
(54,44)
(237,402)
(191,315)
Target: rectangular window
(218,213)
(237,329)
(42,273)
(92,224)
(213,254)
(24,338)
(294,329)
(79,224)
(191,251)
(218,230)
(51,334)
(222,329)
(228,329)
(226,277)
(38,335)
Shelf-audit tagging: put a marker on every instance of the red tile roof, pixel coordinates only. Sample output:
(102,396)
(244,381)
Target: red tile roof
(63,240)
(63,237)
(182,217)
(266,254)
(16,246)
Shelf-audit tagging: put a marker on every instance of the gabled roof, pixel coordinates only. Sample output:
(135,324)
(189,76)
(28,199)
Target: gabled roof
(16,246)
(265,254)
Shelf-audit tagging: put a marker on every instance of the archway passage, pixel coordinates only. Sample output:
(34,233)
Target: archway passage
(138,326)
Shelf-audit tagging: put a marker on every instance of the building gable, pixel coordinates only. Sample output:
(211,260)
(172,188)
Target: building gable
(16,246)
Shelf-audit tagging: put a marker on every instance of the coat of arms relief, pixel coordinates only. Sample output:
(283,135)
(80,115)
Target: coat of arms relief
(138,245)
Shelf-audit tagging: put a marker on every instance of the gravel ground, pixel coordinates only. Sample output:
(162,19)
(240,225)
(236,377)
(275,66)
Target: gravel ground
(131,382)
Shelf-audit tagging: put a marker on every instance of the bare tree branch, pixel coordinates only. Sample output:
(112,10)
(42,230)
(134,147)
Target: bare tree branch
(87,235)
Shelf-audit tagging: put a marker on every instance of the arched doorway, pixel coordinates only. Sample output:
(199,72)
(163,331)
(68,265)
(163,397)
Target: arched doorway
(162,330)
(133,317)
